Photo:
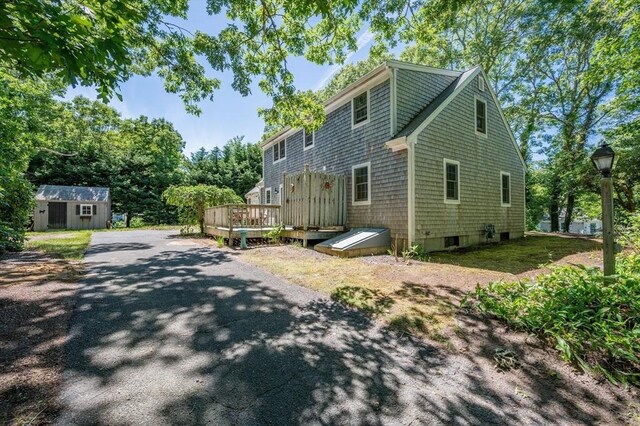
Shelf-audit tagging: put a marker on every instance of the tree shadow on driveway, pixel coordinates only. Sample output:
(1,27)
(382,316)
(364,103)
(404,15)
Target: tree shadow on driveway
(191,336)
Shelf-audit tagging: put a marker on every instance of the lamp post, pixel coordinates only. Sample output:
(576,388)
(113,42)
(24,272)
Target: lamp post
(603,160)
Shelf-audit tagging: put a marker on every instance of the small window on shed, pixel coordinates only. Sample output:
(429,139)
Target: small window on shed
(86,210)
(481,117)
(453,241)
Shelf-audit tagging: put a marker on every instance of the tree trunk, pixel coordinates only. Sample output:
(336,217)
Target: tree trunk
(571,201)
(201,223)
(127,222)
(554,205)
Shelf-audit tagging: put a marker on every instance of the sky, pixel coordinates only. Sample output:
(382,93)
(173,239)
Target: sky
(229,114)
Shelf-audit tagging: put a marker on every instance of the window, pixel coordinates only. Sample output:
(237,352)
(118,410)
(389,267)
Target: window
(505,179)
(451,181)
(308,139)
(481,117)
(361,177)
(504,236)
(451,241)
(86,209)
(279,151)
(267,196)
(360,110)
(481,84)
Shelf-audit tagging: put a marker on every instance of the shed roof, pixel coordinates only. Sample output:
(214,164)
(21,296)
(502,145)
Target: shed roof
(72,193)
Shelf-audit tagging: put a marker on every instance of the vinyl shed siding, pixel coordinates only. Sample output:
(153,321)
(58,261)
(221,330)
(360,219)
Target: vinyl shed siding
(452,136)
(415,90)
(337,148)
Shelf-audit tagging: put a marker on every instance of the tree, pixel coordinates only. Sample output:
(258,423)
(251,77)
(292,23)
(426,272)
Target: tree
(192,201)
(25,111)
(238,165)
(350,73)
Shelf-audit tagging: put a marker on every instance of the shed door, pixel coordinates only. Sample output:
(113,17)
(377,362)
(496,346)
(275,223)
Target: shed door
(57,215)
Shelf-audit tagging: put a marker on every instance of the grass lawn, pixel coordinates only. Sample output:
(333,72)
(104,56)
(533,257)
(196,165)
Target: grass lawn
(517,256)
(69,245)
(419,297)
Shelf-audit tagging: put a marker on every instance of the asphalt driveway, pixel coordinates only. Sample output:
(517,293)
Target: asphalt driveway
(167,332)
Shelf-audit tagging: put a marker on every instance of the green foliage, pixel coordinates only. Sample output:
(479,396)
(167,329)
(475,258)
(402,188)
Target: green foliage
(416,252)
(592,321)
(350,73)
(238,165)
(137,158)
(192,201)
(371,301)
(25,112)
(220,241)
(275,233)
(137,222)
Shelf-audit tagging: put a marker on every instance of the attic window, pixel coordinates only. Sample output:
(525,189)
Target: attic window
(86,210)
(279,151)
(308,138)
(481,117)
(481,84)
(360,109)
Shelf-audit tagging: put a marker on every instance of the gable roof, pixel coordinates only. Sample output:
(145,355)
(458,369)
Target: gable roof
(377,75)
(72,193)
(428,113)
(431,111)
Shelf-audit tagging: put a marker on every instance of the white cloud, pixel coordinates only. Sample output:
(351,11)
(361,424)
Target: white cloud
(364,39)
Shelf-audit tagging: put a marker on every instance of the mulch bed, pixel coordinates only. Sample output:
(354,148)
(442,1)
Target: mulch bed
(36,300)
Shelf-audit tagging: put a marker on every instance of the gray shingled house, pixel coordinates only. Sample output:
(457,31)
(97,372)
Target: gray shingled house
(71,207)
(427,153)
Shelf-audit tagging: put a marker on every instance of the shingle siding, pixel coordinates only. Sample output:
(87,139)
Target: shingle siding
(415,90)
(451,135)
(338,147)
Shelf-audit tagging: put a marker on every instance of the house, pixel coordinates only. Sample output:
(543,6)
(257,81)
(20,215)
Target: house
(72,207)
(427,153)
(584,226)
(253,196)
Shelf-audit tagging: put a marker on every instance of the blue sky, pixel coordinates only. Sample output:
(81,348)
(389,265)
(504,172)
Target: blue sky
(229,114)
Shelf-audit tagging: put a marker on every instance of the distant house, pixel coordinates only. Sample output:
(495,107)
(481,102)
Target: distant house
(584,226)
(71,207)
(427,153)
(253,196)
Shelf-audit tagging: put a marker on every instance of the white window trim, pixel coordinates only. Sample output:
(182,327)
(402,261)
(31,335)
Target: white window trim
(280,193)
(82,206)
(313,140)
(270,197)
(502,203)
(353,184)
(362,123)
(444,180)
(475,117)
(277,145)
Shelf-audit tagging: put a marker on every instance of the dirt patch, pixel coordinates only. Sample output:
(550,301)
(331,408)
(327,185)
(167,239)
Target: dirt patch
(36,295)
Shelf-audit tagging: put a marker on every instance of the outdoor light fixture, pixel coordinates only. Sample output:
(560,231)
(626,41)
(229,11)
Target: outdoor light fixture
(603,159)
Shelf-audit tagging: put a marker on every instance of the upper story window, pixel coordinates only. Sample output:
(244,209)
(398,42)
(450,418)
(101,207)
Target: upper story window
(481,117)
(308,138)
(360,109)
(451,181)
(505,179)
(481,84)
(361,180)
(279,151)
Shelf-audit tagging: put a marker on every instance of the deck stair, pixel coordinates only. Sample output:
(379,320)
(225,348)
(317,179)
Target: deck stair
(357,242)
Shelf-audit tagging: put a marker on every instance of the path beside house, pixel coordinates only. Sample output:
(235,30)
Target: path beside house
(167,331)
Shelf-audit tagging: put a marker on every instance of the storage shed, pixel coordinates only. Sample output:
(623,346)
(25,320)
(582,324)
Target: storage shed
(72,207)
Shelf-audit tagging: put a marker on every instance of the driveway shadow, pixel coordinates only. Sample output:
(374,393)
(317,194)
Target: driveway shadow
(192,336)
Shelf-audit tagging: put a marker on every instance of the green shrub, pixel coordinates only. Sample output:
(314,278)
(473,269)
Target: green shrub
(275,234)
(416,251)
(11,239)
(220,241)
(137,222)
(594,322)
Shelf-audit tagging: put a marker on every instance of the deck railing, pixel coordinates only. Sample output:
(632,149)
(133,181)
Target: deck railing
(242,216)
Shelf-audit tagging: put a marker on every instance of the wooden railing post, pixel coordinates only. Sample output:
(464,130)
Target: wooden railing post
(306,191)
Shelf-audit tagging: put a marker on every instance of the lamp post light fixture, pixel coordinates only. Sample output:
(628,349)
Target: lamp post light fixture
(603,160)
